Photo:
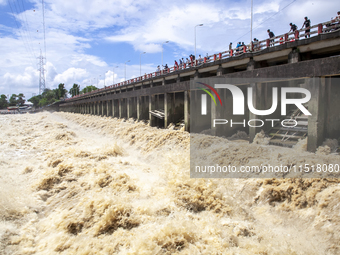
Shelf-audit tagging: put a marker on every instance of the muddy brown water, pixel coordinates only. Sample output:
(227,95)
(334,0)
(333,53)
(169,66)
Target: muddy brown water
(80,184)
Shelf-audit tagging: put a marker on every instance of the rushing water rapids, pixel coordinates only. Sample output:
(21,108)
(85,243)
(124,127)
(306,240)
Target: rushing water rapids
(80,184)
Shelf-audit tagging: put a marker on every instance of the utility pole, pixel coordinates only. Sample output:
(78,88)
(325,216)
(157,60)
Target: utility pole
(41,69)
(140,63)
(125,68)
(113,76)
(162,52)
(199,25)
(251,26)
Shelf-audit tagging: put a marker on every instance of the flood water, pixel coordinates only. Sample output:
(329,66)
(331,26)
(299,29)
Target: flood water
(81,184)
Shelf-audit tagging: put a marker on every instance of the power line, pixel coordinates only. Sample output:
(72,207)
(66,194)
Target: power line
(265,21)
(23,28)
(27,26)
(20,30)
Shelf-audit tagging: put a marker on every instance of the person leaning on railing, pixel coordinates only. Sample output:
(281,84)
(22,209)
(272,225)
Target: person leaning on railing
(293,27)
(337,18)
(238,46)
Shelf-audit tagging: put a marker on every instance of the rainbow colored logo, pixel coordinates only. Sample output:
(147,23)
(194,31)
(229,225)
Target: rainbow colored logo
(213,90)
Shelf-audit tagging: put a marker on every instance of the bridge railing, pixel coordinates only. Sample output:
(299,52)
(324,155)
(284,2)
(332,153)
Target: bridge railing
(318,29)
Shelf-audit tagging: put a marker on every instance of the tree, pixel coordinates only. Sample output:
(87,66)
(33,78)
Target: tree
(74,90)
(43,102)
(13,100)
(3,101)
(88,89)
(35,100)
(21,99)
(61,90)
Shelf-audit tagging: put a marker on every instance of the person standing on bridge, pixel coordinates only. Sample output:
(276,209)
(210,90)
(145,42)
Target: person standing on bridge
(271,35)
(176,65)
(306,24)
(158,70)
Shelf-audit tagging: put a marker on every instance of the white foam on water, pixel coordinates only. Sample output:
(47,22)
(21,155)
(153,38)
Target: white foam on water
(80,184)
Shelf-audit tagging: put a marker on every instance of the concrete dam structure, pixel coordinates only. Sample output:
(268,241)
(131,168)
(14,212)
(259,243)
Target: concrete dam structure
(164,97)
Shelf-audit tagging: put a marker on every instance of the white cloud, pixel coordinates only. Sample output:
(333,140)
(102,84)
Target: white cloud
(71,75)
(73,28)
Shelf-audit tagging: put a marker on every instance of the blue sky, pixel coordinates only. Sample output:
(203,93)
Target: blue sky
(87,40)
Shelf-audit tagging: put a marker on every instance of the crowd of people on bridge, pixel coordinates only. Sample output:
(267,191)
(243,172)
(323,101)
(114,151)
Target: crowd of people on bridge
(255,45)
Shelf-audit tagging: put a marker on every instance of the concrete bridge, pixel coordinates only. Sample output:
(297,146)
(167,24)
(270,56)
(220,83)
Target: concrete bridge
(164,97)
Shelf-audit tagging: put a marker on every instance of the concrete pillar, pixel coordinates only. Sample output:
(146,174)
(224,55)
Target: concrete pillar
(129,107)
(197,75)
(120,108)
(251,65)
(114,107)
(109,108)
(316,106)
(262,99)
(221,71)
(139,108)
(98,108)
(293,56)
(166,110)
(142,108)
(151,107)
(187,110)
(258,103)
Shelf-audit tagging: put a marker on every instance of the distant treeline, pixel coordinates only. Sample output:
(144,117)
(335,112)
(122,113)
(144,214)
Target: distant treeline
(13,100)
(48,97)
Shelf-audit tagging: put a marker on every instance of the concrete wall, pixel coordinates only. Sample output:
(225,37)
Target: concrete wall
(284,64)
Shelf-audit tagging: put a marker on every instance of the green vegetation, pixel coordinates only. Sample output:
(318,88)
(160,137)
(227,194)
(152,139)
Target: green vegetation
(74,90)
(49,96)
(88,89)
(3,101)
(13,100)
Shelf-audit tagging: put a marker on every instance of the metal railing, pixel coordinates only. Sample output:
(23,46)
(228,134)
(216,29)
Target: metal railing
(318,29)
